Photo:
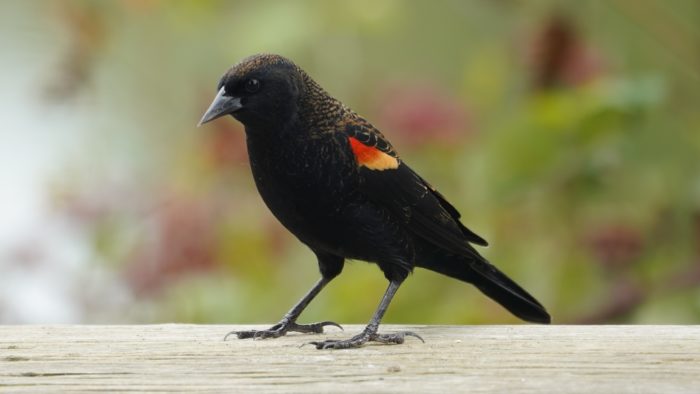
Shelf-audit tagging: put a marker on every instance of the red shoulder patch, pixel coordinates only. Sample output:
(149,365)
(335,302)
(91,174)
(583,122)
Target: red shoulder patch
(371,157)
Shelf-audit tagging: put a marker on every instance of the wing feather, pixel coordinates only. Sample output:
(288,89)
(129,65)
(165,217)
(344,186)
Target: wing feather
(424,210)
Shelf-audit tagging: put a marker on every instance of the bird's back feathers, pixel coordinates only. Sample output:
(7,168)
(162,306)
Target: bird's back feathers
(424,210)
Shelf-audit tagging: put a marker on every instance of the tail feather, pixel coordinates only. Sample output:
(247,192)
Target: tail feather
(506,292)
(494,284)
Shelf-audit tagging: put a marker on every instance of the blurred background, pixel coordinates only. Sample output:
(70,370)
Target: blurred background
(567,133)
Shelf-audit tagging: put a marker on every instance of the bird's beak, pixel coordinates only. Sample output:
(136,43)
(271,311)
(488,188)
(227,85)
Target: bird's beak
(222,105)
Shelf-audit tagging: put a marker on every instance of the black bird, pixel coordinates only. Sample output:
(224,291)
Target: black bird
(335,182)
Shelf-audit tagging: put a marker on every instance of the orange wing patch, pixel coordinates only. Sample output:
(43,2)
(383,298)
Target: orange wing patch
(371,157)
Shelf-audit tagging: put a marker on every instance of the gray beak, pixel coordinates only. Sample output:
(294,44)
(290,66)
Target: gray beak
(222,105)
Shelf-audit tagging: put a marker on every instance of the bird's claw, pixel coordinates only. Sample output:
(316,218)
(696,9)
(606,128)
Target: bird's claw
(282,328)
(317,328)
(359,340)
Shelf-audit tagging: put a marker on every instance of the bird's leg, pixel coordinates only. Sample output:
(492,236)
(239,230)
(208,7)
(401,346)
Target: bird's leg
(288,322)
(370,334)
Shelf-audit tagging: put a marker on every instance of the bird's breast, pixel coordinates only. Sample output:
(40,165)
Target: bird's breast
(303,182)
(313,189)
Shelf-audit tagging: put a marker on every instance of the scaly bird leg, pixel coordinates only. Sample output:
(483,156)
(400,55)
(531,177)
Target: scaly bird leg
(288,322)
(369,334)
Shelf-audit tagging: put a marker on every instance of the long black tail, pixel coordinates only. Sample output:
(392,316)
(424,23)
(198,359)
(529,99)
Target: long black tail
(494,284)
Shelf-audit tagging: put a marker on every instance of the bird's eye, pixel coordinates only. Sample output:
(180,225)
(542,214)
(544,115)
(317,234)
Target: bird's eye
(252,85)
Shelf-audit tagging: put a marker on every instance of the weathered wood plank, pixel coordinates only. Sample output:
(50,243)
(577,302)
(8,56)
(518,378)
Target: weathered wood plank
(478,359)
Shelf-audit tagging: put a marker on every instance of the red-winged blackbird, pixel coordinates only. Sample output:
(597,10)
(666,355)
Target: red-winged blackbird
(338,185)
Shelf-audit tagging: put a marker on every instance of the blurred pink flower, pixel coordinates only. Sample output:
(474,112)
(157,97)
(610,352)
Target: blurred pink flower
(558,55)
(616,245)
(421,113)
(183,240)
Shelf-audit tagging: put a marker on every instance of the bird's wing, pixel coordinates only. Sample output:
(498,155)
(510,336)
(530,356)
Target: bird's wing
(386,180)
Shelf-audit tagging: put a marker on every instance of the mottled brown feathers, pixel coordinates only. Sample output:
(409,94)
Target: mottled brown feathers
(259,62)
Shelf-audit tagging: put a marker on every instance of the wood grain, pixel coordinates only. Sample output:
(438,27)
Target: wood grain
(475,359)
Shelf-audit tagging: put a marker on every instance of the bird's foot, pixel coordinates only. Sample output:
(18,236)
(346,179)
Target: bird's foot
(282,328)
(360,339)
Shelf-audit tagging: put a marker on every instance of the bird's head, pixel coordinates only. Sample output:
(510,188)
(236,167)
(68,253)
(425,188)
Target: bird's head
(262,90)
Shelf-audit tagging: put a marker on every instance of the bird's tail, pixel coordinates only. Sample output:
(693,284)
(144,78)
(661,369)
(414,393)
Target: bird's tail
(494,284)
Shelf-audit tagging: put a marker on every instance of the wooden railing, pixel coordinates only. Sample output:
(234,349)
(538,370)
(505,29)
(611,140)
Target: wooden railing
(475,359)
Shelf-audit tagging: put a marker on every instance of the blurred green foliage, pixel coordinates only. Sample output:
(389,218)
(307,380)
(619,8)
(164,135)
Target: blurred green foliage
(567,133)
